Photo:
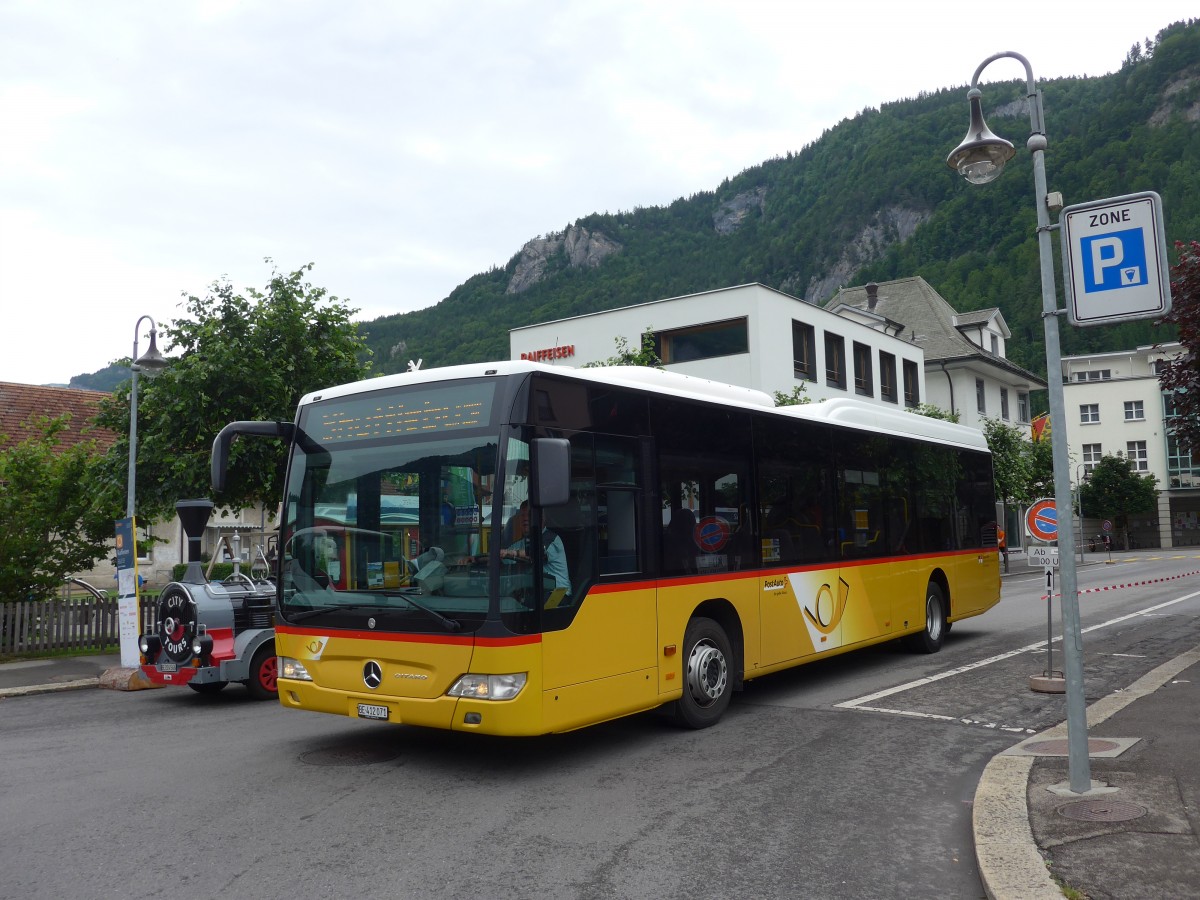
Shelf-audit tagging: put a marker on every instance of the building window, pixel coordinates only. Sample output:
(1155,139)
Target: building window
(887,377)
(1022,407)
(1094,375)
(912,384)
(1134,411)
(1135,452)
(835,360)
(1091,456)
(864,382)
(980,397)
(1182,472)
(1004,404)
(727,338)
(804,351)
(1089,413)
(995,345)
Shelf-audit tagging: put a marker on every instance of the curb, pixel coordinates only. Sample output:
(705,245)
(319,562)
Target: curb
(1010,865)
(27,690)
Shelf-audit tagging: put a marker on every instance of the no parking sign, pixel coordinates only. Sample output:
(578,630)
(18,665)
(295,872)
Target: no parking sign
(1041,521)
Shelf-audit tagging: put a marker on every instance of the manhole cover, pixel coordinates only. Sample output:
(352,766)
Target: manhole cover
(1104,810)
(347,756)
(1058,746)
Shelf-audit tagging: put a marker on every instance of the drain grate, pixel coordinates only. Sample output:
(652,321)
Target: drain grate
(1104,810)
(1059,746)
(348,756)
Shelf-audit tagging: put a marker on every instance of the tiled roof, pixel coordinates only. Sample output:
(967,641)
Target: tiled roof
(20,401)
(928,321)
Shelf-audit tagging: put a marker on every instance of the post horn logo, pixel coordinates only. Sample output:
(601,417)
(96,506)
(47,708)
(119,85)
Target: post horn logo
(826,612)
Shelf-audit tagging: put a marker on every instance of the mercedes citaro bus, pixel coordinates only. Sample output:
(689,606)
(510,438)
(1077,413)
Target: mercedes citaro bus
(518,549)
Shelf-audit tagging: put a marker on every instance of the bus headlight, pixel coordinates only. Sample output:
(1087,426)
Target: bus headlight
(293,669)
(488,687)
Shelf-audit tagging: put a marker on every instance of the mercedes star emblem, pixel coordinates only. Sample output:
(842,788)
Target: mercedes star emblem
(372,675)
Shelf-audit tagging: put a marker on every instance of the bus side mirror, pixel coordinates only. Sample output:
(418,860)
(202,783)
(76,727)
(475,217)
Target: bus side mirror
(550,459)
(220,450)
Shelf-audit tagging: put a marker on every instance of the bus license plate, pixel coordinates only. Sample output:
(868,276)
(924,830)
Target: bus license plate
(367,711)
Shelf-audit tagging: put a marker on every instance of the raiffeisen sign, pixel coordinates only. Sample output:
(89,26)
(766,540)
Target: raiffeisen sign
(563,352)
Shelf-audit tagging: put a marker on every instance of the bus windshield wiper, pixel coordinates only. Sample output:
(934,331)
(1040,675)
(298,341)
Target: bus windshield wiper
(448,623)
(333,607)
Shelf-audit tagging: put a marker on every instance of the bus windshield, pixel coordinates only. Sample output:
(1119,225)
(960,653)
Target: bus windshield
(394,534)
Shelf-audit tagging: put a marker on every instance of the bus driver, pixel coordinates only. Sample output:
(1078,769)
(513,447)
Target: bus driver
(554,555)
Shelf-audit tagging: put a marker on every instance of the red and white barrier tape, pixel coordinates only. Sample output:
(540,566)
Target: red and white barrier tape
(1117,587)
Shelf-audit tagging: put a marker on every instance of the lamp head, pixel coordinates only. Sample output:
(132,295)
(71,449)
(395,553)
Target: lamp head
(151,363)
(981,156)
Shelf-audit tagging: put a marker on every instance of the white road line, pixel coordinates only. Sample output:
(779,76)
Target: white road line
(859,702)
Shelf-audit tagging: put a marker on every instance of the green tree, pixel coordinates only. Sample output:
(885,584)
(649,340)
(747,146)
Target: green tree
(53,526)
(794,398)
(645,355)
(933,412)
(1012,462)
(1115,491)
(249,355)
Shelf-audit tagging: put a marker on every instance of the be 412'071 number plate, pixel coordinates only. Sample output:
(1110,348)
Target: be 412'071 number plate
(370,711)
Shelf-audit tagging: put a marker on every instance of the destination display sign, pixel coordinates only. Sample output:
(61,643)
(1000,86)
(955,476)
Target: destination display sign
(411,412)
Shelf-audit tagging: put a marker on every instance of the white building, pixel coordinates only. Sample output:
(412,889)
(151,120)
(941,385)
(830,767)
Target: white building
(966,368)
(1115,406)
(750,335)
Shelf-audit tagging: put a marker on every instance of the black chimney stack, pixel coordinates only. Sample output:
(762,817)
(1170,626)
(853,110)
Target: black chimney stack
(194,514)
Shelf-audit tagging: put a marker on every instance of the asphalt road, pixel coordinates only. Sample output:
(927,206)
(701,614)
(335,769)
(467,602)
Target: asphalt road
(851,777)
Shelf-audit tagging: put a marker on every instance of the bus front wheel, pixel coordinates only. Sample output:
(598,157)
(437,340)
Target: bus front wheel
(707,681)
(929,639)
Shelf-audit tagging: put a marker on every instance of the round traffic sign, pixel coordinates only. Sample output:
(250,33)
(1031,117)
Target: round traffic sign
(1106,526)
(1042,521)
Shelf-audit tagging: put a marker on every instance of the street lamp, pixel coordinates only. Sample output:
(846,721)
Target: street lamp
(981,158)
(151,364)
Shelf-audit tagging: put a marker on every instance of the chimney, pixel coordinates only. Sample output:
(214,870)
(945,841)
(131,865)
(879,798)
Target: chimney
(193,516)
(872,294)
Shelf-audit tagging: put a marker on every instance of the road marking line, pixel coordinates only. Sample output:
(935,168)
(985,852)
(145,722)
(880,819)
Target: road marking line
(1000,657)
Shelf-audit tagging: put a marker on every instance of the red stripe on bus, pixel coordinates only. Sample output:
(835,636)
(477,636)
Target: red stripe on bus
(683,580)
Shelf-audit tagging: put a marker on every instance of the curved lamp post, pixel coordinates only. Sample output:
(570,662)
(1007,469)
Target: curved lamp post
(981,158)
(151,365)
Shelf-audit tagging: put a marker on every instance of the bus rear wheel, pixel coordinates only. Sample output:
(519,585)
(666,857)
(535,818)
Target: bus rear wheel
(707,681)
(930,638)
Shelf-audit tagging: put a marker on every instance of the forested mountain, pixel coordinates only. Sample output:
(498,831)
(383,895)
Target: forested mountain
(872,199)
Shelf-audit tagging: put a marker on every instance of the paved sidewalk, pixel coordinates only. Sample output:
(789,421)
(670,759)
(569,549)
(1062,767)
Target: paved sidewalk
(1141,840)
(61,673)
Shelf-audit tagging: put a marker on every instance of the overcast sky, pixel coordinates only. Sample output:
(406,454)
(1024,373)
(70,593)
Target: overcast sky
(148,149)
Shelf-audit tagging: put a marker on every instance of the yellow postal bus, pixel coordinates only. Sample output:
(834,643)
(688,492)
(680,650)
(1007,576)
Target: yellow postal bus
(520,549)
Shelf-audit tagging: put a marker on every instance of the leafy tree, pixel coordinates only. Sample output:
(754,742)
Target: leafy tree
(1114,490)
(1012,462)
(53,526)
(793,398)
(1182,377)
(240,356)
(933,412)
(645,355)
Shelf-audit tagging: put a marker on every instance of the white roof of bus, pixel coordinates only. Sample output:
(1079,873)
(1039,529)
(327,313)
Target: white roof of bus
(843,411)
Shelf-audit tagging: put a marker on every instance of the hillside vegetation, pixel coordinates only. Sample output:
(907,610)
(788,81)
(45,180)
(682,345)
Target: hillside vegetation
(871,199)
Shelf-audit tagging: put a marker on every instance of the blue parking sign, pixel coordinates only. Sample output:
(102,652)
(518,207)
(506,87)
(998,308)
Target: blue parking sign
(1115,260)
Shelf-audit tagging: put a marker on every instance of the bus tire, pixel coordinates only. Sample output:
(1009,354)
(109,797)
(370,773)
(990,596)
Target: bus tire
(929,639)
(208,687)
(707,679)
(264,667)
